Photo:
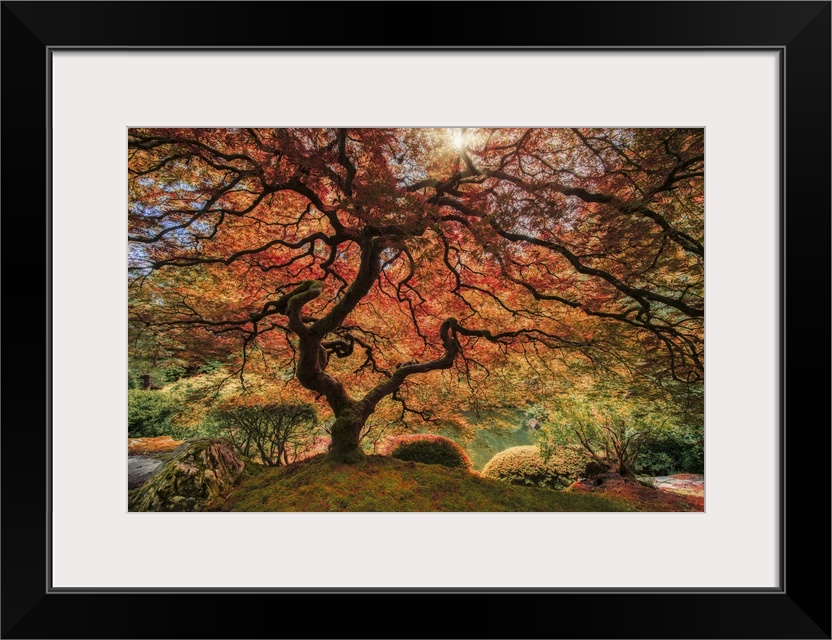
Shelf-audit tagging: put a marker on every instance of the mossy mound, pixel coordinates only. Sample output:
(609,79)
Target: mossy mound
(427,448)
(380,483)
(526,466)
(197,472)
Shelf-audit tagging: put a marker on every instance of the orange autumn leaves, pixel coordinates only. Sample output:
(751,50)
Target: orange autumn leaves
(553,246)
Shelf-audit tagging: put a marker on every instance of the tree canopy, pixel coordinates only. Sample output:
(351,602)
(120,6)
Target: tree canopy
(367,260)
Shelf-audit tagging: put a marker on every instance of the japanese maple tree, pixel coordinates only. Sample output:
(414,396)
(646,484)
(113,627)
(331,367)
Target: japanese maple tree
(364,259)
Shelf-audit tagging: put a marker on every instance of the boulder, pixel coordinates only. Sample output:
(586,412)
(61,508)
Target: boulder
(139,470)
(197,472)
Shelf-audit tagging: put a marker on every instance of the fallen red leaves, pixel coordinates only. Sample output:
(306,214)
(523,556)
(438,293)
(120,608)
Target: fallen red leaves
(642,497)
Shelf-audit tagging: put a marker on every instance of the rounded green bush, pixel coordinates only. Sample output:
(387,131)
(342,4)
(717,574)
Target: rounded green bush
(525,466)
(148,413)
(428,449)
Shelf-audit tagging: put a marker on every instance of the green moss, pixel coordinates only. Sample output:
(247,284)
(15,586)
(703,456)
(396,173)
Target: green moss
(196,473)
(252,468)
(387,484)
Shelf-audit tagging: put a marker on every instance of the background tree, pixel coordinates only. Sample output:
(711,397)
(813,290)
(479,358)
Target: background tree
(365,259)
(278,434)
(611,432)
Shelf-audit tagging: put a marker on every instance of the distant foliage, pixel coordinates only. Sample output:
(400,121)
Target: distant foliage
(676,450)
(428,449)
(200,399)
(149,413)
(624,434)
(611,430)
(173,373)
(526,466)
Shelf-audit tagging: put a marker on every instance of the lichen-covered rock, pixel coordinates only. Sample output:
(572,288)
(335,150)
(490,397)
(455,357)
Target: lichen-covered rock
(196,473)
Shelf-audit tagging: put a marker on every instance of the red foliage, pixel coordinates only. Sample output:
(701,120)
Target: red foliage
(405,251)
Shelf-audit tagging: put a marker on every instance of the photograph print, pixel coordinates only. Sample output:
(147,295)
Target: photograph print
(416,319)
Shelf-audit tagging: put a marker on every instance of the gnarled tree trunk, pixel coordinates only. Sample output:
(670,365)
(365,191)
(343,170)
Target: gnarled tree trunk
(314,353)
(345,438)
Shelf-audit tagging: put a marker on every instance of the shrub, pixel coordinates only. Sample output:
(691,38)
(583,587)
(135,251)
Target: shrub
(173,373)
(428,449)
(148,413)
(278,434)
(674,451)
(525,466)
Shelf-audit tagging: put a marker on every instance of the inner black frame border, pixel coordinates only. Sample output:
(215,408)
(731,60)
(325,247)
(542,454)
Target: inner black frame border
(799,31)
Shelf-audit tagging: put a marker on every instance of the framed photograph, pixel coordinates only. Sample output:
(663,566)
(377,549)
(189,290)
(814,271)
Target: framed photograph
(509,180)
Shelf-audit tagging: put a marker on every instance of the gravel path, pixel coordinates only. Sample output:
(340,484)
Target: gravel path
(687,483)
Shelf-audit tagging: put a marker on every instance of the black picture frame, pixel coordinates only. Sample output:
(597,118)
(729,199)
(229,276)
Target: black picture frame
(799,608)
